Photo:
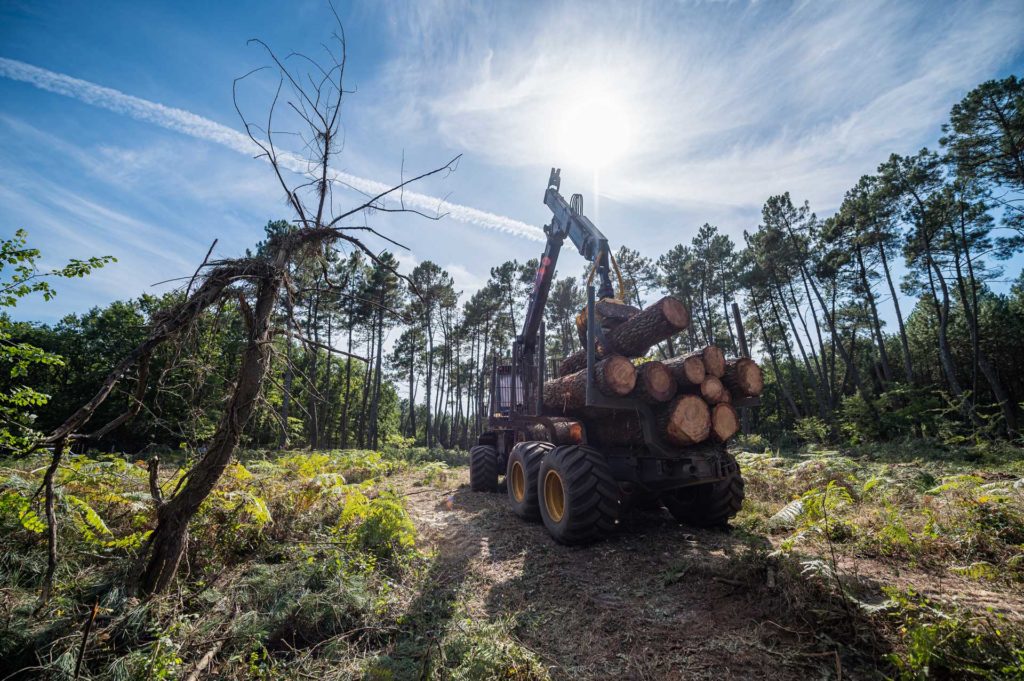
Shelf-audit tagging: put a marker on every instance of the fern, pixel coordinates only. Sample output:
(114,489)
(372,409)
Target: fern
(788,516)
(88,520)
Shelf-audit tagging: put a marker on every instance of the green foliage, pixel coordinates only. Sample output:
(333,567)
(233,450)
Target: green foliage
(941,644)
(812,429)
(379,527)
(486,650)
(20,277)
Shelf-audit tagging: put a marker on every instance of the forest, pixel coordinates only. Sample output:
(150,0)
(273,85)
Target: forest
(226,480)
(878,322)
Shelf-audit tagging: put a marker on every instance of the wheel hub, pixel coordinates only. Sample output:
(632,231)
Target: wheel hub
(518,481)
(554,496)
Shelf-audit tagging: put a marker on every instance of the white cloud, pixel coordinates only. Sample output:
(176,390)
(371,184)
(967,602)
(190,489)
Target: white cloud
(465,281)
(196,126)
(730,102)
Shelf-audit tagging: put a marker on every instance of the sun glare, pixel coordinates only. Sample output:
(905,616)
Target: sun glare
(594,131)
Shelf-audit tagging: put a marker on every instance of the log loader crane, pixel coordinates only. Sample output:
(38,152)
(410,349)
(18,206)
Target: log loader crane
(555,469)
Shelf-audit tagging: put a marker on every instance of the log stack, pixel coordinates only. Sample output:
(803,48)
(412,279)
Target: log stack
(691,395)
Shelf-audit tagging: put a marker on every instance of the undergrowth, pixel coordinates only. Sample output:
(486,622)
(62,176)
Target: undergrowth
(959,519)
(300,563)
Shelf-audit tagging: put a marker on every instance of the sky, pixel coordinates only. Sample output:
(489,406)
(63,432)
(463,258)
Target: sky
(119,136)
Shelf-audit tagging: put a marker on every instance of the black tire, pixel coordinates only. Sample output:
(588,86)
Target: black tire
(578,498)
(521,477)
(710,505)
(483,469)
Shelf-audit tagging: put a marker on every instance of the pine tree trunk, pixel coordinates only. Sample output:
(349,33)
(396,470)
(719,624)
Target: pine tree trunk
(167,543)
(908,365)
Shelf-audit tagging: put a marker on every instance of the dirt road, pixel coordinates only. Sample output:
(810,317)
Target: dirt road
(655,601)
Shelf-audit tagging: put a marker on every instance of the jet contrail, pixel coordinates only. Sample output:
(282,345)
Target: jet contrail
(198,127)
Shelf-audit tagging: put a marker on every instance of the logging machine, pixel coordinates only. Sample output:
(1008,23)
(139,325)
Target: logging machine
(576,463)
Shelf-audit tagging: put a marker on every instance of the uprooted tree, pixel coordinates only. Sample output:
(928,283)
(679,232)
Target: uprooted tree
(316,90)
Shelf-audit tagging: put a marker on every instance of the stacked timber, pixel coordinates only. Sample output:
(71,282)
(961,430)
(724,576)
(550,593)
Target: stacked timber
(691,395)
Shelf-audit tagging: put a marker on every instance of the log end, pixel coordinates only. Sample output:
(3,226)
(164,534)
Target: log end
(675,313)
(656,381)
(692,371)
(689,421)
(714,360)
(746,376)
(712,390)
(619,375)
(724,422)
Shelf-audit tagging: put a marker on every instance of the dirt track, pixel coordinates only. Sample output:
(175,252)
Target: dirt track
(655,601)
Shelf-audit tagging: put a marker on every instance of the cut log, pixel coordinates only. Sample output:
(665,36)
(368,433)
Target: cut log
(614,376)
(743,377)
(685,421)
(610,313)
(713,358)
(688,371)
(712,390)
(654,383)
(635,336)
(566,431)
(724,422)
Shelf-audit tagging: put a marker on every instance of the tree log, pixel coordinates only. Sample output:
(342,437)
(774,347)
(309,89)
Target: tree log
(614,376)
(743,377)
(713,358)
(654,383)
(685,421)
(712,390)
(688,371)
(724,422)
(567,431)
(610,313)
(635,336)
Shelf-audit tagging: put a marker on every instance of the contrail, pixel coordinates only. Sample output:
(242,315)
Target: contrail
(198,127)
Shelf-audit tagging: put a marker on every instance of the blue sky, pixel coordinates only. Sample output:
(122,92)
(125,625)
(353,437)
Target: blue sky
(701,110)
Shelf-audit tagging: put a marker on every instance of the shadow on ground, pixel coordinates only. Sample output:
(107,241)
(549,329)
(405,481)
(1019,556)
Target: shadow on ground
(654,601)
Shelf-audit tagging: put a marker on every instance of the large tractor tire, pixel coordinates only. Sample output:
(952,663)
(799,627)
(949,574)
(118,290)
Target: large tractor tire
(712,504)
(483,469)
(521,478)
(579,499)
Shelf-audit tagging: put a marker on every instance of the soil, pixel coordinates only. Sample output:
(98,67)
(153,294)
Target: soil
(656,600)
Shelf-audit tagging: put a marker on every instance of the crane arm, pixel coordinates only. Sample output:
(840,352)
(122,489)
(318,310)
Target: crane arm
(567,221)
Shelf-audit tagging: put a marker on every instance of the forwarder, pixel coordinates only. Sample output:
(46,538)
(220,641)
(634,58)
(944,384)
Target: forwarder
(606,433)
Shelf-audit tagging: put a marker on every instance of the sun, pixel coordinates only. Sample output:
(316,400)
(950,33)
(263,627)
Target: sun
(594,130)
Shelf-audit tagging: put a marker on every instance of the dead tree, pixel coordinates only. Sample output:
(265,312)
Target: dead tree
(257,282)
